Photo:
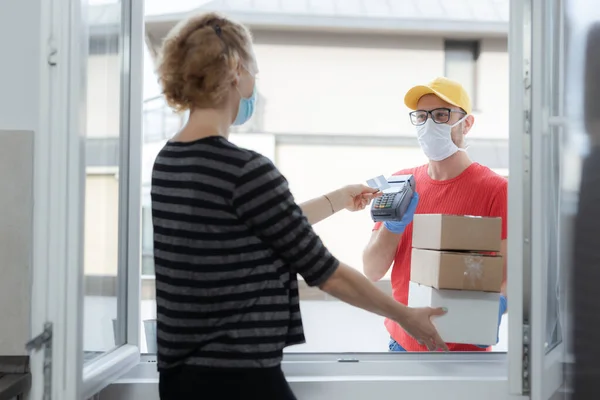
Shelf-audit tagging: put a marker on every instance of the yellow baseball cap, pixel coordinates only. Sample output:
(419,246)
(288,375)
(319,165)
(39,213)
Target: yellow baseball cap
(446,89)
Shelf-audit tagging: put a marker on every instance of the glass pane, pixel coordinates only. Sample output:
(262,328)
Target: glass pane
(101,248)
(147,230)
(460,65)
(556,227)
(148,264)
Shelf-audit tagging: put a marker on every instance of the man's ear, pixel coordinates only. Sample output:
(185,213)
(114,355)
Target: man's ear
(469,121)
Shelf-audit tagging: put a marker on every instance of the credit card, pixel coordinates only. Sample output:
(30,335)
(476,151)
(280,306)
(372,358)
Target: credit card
(379,182)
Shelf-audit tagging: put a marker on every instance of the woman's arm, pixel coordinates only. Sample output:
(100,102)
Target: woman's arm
(351,197)
(262,200)
(317,209)
(353,288)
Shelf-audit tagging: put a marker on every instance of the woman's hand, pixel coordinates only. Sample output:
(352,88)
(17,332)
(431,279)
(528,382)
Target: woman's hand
(353,197)
(417,323)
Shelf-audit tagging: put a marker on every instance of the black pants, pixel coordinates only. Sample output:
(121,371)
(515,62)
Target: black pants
(199,383)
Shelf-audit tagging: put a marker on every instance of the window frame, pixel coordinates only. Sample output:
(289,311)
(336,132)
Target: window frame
(110,366)
(443,373)
(321,375)
(354,376)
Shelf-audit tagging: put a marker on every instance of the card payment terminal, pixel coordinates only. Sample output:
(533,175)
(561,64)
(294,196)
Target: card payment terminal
(392,205)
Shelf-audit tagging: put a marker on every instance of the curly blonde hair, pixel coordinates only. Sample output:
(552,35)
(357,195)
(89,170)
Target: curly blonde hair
(199,58)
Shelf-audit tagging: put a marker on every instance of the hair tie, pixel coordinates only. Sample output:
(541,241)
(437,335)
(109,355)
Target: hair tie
(217,29)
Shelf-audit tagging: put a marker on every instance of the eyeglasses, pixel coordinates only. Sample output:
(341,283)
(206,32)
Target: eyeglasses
(438,115)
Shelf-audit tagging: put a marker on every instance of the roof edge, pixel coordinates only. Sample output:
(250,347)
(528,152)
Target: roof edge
(355,24)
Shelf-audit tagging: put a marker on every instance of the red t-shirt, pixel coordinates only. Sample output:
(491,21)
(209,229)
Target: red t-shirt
(477,191)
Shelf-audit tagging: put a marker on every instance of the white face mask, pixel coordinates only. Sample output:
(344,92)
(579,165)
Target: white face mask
(436,139)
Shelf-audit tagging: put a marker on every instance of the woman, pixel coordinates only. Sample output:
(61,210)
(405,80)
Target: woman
(229,238)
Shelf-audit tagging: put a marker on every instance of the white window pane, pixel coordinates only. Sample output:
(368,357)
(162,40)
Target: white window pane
(147,232)
(461,66)
(101,224)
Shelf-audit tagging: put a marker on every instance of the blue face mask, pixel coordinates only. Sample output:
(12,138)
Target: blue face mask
(246,108)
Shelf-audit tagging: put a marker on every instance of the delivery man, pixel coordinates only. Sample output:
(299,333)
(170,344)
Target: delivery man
(449,184)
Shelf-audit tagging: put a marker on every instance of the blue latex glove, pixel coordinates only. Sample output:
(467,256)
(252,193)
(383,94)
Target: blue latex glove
(398,227)
(501,311)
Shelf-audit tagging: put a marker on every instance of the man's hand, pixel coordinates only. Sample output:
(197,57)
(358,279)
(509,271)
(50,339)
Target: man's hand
(379,254)
(398,227)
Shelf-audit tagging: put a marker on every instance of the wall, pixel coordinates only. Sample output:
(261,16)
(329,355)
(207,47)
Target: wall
(101,224)
(16,236)
(104,86)
(334,83)
(492,90)
(20,97)
(20,77)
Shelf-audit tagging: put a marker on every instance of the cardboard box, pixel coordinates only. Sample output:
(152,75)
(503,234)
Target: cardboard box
(454,270)
(472,317)
(454,232)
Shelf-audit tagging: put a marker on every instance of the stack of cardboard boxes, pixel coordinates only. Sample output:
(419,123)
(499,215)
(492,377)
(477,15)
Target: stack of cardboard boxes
(455,265)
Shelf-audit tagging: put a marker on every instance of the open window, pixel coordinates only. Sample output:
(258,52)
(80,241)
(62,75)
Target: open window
(106,276)
(90,161)
(112,212)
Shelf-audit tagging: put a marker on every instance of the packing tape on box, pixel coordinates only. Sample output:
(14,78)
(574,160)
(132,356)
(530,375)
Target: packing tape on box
(473,273)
